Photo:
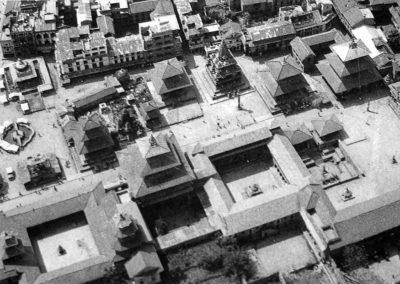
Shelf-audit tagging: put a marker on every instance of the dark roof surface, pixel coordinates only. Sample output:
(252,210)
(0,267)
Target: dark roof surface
(347,83)
(134,167)
(284,67)
(106,24)
(327,126)
(330,36)
(302,49)
(143,262)
(299,134)
(368,218)
(89,134)
(169,75)
(95,96)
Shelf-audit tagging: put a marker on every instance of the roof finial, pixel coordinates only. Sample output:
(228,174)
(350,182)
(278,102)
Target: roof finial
(353,44)
(153,141)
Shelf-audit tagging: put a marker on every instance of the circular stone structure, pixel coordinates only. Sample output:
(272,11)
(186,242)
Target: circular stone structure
(15,134)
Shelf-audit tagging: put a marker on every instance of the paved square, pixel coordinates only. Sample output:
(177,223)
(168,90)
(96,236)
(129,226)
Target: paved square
(78,243)
(260,172)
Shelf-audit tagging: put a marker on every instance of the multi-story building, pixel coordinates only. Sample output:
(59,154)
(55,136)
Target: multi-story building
(84,13)
(29,28)
(126,51)
(269,36)
(232,34)
(351,15)
(161,169)
(257,8)
(161,38)
(6,43)
(197,34)
(284,79)
(140,11)
(78,52)
(283,3)
(22,34)
(302,53)
(305,23)
(261,8)
(349,67)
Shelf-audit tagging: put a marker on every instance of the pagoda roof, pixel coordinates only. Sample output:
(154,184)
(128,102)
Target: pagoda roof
(351,50)
(169,75)
(284,67)
(168,68)
(327,126)
(298,135)
(153,146)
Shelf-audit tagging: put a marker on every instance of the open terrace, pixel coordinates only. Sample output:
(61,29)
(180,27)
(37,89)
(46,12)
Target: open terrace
(372,130)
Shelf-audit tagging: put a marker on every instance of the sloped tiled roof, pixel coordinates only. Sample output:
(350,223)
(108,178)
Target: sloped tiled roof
(143,262)
(105,24)
(332,35)
(350,11)
(302,49)
(298,135)
(85,195)
(143,6)
(97,95)
(236,139)
(350,50)
(343,84)
(259,210)
(169,68)
(169,75)
(327,126)
(347,68)
(284,68)
(134,167)
(163,8)
(153,146)
(88,133)
(367,219)
(287,159)
(293,79)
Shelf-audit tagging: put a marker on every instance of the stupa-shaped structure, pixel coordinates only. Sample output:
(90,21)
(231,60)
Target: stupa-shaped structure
(223,69)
